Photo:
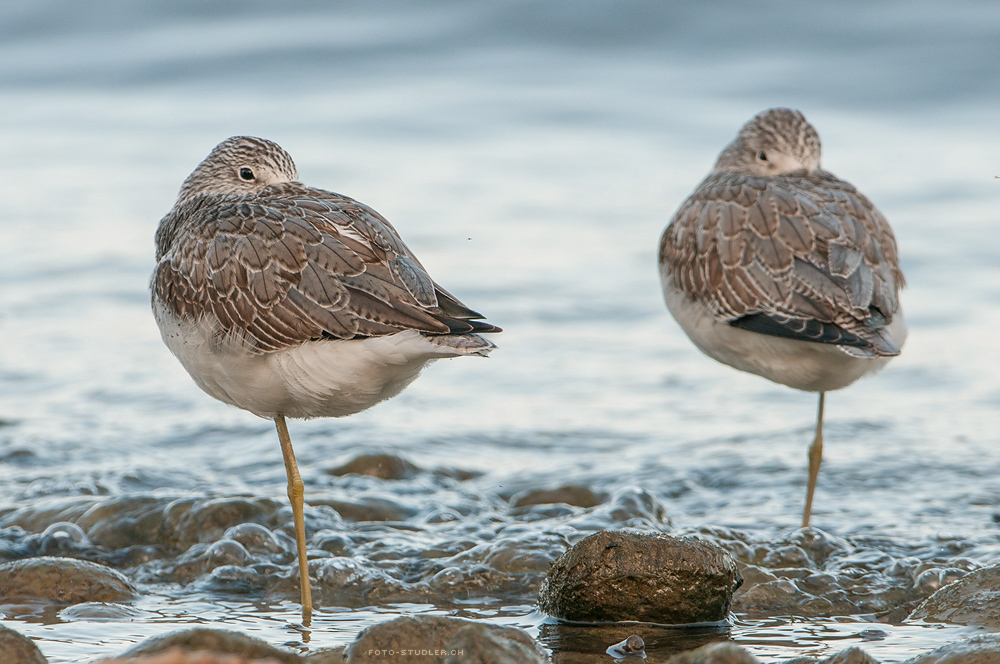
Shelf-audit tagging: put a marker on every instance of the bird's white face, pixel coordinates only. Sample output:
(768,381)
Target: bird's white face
(240,165)
(776,142)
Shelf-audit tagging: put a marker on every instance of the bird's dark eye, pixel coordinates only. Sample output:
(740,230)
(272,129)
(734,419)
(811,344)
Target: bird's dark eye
(762,156)
(247,174)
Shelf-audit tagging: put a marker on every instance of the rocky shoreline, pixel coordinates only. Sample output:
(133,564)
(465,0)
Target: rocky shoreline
(609,584)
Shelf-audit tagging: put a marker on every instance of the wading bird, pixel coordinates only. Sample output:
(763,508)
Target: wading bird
(779,268)
(290,301)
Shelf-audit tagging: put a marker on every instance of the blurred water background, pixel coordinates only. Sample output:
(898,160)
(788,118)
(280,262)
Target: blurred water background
(530,153)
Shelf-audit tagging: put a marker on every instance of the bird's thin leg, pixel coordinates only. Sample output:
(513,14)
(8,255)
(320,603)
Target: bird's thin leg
(295,492)
(815,458)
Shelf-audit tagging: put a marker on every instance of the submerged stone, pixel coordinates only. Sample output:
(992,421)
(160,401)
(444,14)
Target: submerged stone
(382,466)
(15,648)
(846,656)
(982,649)
(578,496)
(618,575)
(64,580)
(443,640)
(720,652)
(100,612)
(972,600)
(221,641)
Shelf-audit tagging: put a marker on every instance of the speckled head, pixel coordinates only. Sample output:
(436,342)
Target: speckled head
(239,165)
(778,141)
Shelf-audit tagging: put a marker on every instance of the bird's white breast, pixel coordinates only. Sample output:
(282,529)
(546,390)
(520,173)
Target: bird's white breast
(323,378)
(803,365)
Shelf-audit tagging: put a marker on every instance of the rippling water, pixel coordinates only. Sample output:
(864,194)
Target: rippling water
(530,154)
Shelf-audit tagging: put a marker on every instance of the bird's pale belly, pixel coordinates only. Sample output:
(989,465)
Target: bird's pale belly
(326,378)
(803,365)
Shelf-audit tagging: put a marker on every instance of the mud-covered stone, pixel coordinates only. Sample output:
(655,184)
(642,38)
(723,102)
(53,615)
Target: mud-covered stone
(64,580)
(15,648)
(578,496)
(220,641)
(443,640)
(620,575)
(972,600)
(720,652)
(982,649)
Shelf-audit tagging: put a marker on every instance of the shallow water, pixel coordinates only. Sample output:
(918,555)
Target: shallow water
(530,154)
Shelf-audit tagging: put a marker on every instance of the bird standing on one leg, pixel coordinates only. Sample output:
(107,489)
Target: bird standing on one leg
(290,301)
(778,268)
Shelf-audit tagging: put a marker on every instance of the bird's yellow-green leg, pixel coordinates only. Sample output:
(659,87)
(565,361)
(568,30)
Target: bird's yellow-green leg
(815,458)
(295,492)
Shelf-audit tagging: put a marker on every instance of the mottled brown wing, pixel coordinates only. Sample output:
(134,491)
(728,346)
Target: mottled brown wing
(295,264)
(811,254)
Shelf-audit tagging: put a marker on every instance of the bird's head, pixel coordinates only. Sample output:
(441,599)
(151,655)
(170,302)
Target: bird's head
(778,141)
(239,165)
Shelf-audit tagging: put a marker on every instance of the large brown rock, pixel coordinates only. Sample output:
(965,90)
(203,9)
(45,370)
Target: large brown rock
(15,648)
(620,575)
(64,580)
(972,600)
(442,640)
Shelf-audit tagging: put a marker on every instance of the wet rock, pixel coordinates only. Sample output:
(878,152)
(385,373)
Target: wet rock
(382,466)
(620,575)
(64,580)
(849,656)
(100,612)
(846,656)
(578,496)
(982,649)
(445,641)
(15,648)
(116,523)
(368,508)
(481,643)
(355,582)
(182,657)
(972,600)
(635,507)
(60,538)
(775,596)
(44,512)
(219,641)
(326,656)
(819,545)
(188,521)
(720,652)
(633,645)
(255,538)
